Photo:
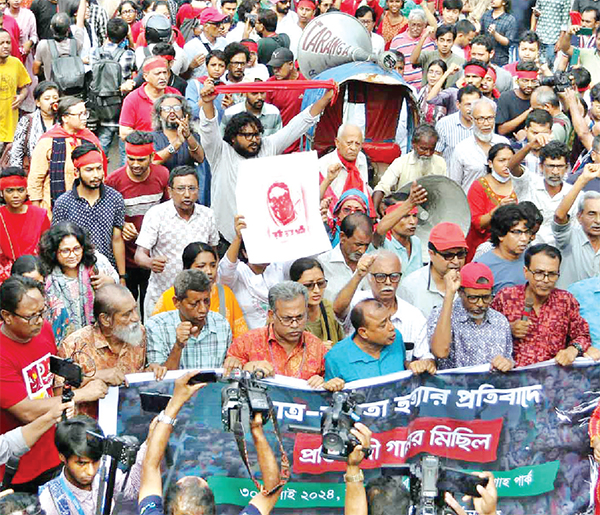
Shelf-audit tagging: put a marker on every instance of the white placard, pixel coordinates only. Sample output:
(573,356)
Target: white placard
(279,198)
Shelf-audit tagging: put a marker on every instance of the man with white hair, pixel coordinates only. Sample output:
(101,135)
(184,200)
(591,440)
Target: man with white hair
(544,97)
(579,243)
(346,167)
(114,346)
(384,272)
(407,41)
(470,155)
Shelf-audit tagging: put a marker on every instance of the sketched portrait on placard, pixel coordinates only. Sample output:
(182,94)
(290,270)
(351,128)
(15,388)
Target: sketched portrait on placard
(286,208)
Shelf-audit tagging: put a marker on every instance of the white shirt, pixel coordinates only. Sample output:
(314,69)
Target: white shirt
(337,273)
(469,161)
(165,233)
(224,162)
(295,33)
(531,186)
(337,186)
(409,321)
(251,290)
(289,20)
(419,290)
(258,71)
(377,43)
(196,46)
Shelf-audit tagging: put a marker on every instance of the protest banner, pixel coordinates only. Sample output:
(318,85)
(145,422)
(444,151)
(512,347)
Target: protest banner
(522,426)
(279,198)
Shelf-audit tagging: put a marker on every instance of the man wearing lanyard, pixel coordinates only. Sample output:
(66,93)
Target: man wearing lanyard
(283,347)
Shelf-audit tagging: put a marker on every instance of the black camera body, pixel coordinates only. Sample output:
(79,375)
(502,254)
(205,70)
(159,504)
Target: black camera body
(560,81)
(71,372)
(122,449)
(244,391)
(336,422)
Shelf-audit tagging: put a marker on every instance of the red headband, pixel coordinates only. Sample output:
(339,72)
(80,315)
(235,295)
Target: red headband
(584,89)
(523,74)
(168,57)
(139,150)
(14,181)
(91,158)
(395,206)
(476,70)
(251,46)
(159,62)
(492,73)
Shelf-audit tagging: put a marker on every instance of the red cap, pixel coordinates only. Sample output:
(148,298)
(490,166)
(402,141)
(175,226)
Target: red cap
(211,15)
(473,272)
(306,3)
(446,236)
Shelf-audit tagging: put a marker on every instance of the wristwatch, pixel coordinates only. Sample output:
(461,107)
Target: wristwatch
(171,149)
(578,347)
(358,478)
(165,419)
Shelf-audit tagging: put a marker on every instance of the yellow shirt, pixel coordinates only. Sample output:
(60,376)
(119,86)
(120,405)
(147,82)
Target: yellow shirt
(233,312)
(13,76)
(405,169)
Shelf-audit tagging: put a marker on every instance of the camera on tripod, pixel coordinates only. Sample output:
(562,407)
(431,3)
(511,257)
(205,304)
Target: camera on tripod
(244,391)
(429,480)
(336,422)
(122,449)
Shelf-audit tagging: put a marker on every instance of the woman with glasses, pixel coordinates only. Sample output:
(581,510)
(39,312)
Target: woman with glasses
(73,274)
(129,12)
(203,257)
(321,318)
(431,113)
(488,193)
(52,171)
(21,224)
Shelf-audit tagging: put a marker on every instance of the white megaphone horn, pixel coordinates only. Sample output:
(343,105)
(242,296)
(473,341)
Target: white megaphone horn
(336,38)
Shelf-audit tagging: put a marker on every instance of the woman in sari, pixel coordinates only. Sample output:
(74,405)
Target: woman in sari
(21,224)
(431,113)
(393,22)
(200,256)
(321,318)
(72,277)
(488,193)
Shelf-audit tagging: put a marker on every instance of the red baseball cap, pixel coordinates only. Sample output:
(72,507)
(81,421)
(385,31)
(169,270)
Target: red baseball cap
(473,272)
(447,235)
(211,15)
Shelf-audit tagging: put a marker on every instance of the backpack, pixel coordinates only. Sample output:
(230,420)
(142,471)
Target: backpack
(104,91)
(67,70)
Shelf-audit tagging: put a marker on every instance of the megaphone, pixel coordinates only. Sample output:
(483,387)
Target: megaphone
(337,38)
(446,202)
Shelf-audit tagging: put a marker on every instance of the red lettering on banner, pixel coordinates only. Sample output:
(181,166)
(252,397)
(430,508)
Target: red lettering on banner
(307,42)
(473,441)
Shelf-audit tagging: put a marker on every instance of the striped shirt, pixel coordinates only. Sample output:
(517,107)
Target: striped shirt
(207,350)
(405,44)
(270,117)
(451,132)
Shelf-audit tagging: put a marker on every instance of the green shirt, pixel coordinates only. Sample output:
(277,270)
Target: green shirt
(428,56)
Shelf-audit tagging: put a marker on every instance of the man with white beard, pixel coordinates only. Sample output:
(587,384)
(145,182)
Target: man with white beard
(111,348)
(419,162)
(471,155)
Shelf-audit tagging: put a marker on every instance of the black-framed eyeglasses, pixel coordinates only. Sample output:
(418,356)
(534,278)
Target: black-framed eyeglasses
(321,283)
(250,135)
(287,321)
(32,319)
(380,277)
(519,232)
(449,256)
(475,299)
(174,109)
(540,275)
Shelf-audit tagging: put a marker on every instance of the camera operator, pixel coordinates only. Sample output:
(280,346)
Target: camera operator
(386,494)
(26,343)
(150,496)
(78,484)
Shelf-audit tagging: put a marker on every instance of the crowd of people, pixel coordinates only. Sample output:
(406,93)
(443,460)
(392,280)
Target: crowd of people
(122,248)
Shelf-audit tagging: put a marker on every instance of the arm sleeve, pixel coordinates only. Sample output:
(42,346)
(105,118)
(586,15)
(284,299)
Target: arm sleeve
(508,340)
(331,368)
(192,97)
(297,126)
(390,177)
(562,234)
(132,487)
(478,202)
(212,142)
(445,98)
(502,115)
(455,171)
(128,116)
(59,212)
(12,444)
(238,349)
(22,75)
(511,30)
(522,185)
(18,150)
(149,232)
(157,350)
(38,171)
(228,273)
(579,330)
(119,220)
(422,349)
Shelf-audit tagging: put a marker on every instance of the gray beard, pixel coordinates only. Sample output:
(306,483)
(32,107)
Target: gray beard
(131,334)
(422,165)
(486,138)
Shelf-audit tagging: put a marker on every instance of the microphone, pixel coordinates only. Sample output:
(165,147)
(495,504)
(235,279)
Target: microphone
(527,310)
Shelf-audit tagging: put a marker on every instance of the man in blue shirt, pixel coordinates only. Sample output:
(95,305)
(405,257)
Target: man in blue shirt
(587,293)
(375,349)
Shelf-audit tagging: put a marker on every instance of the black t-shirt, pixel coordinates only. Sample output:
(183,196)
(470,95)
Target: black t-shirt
(509,107)
(43,11)
(152,505)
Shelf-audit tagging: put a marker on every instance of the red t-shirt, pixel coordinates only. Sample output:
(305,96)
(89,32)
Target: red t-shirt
(137,109)
(185,12)
(25,372)
(139,197)
(289,103)
(12,27)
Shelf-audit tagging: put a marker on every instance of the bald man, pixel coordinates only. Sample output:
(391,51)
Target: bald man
(115,344)
(384,271)
(346,167)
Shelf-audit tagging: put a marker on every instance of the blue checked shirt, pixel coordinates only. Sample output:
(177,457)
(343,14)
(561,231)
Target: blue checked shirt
(207,350)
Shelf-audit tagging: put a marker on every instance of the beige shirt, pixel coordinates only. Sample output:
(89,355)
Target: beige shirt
(38,180)
(405,169)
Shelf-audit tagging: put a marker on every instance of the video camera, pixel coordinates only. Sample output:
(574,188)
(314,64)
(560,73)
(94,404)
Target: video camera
(429,481)
(336,422)
(122,449)
(560,81)
(243,392)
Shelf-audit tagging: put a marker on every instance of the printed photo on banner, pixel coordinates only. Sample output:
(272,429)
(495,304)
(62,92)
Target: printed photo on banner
(279,198)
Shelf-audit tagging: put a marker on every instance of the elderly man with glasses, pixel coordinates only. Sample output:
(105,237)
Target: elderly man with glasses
(284,347)
(465,332)
(544,320)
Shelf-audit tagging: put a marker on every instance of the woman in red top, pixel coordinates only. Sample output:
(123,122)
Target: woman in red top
(488,193)
(21,224)
(393,22)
